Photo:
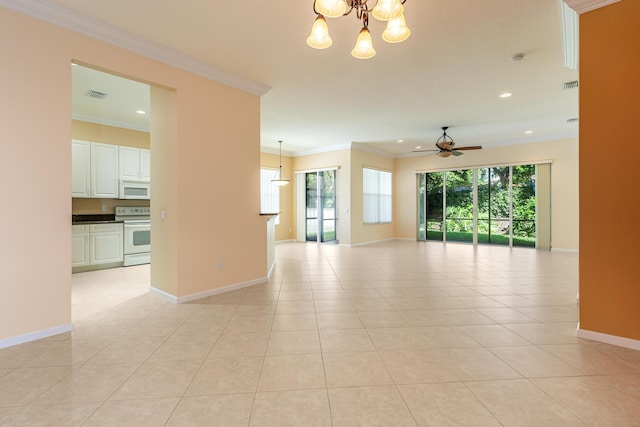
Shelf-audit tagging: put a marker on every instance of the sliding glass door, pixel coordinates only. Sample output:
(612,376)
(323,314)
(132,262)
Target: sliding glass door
(494,205)
(320,206)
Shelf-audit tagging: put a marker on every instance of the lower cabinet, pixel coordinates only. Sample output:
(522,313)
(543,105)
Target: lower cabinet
(79,245)
(97,244)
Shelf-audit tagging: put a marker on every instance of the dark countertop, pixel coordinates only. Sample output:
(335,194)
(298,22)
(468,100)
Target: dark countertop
(85,219)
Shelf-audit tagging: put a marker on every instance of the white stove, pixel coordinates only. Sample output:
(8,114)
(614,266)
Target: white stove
(137,233)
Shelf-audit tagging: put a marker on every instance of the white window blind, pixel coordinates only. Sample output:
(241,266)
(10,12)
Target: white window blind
(376,188)
(269,192)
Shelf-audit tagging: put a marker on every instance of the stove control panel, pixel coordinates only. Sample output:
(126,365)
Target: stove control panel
(133,210)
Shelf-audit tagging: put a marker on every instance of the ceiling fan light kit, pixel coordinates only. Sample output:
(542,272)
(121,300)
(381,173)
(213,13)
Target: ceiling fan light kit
(445,146)
(390,11)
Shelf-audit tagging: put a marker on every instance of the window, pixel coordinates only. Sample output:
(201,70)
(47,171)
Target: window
(376,189)
(269,192)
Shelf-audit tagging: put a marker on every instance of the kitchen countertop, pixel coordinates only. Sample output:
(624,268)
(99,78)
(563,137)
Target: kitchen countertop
(84,219)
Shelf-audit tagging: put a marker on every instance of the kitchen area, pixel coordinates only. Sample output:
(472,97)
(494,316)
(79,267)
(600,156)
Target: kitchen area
(111,171)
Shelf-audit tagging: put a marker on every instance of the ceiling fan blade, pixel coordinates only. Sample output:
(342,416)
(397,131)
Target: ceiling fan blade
(424,151)
(455,153)
(472,147)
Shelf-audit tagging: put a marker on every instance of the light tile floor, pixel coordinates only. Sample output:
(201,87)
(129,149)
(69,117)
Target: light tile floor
(393,334)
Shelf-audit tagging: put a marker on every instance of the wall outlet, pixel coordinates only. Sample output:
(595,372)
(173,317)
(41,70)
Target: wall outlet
(104,208)
(220,265)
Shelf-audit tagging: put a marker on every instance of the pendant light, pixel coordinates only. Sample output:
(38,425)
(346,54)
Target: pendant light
(280,181)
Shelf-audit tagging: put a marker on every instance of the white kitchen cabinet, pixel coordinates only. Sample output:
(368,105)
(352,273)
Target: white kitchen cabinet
(104,171)
(145,164)
(134,164)
(106,243)
(79,245)
(80,169)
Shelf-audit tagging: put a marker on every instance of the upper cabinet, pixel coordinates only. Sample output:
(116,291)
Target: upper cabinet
(134,164)
(96,169)
(104,171)
(80,169)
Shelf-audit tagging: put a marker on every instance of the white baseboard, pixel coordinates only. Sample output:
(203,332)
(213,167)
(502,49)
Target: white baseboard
(573,251)
(372,242)
(204,294)
(32,336)
(273,266)
(286,241)
(609,339)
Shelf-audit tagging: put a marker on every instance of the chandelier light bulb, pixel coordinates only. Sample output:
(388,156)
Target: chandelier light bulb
(319,37)
(386,10)
(396,31)
(331,8)
(364,45)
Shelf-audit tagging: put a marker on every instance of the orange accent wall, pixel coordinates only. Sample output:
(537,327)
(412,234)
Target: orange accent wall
(609,177)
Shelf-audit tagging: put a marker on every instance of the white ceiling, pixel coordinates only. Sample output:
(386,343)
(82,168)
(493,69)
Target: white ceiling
(450,72)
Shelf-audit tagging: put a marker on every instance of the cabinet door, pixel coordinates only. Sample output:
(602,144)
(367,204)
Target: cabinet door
(106,247)
(79,249)
(104,170)
(145,165)
(80,169)
(129,163)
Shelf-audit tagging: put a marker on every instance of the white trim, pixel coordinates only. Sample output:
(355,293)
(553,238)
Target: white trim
(32,336)
(583,6)
(331,168)
(91,27)
(285,241)
(204,294)
(486,165)
(321,149)
(609,339)
(573,251)
(367,149)
(371,242)
(109,122)
(570,35)
(273,267)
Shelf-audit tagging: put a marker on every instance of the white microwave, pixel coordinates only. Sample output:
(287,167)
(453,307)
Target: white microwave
(140,190)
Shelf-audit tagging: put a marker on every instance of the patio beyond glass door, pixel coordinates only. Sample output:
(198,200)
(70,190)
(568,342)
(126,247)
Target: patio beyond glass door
(320,206)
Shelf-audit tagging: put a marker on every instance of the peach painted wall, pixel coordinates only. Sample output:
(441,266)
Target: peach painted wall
(342,160)
(35,172)
(564,183)
(609,153)
(216,161)
(286,229)
(361,233)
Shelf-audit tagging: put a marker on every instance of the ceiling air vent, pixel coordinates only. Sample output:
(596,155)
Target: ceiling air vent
(96,94)
(572,120)
(571,85)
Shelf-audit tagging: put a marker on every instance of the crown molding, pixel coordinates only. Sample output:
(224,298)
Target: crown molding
(74,21)
(108,122)
(584,6)
(372,150)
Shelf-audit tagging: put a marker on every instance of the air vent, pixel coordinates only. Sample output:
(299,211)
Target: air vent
(572,120)
(571,85)
(96,94)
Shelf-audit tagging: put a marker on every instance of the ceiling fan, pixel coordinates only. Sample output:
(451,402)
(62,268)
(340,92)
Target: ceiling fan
(446,146)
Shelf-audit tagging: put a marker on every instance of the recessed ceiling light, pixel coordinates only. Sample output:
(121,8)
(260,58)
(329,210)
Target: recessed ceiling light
(401,140)
(505,95)
(141,112)
(528,132)
(418,147)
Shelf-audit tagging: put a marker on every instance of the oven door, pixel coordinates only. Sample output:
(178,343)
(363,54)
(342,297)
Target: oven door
(137,237)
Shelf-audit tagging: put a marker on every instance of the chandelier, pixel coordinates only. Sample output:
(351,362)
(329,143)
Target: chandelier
(391,11)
